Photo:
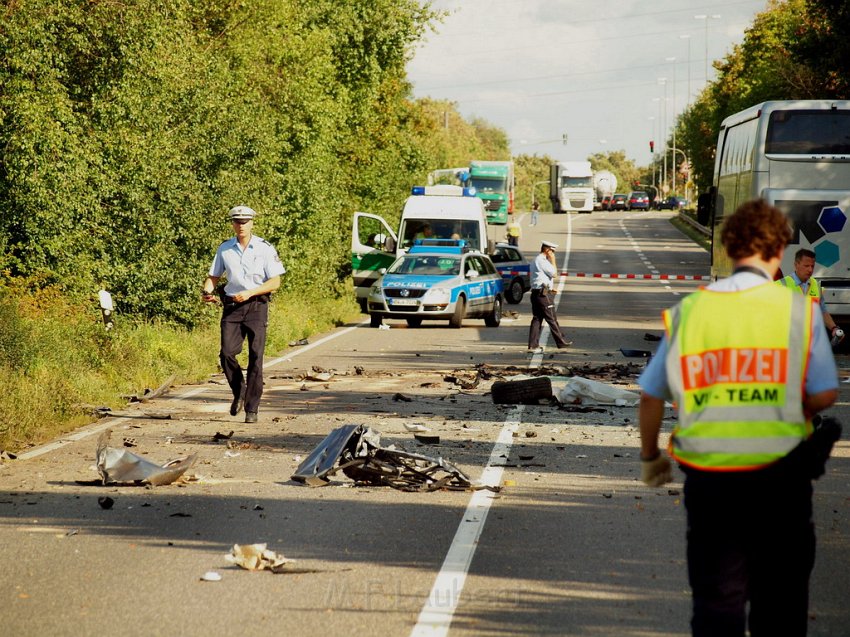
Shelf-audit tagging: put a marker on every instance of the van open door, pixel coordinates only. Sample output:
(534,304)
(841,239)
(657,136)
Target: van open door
(373,246)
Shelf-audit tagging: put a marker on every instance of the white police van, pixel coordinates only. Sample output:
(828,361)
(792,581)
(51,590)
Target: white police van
(438,279)
(438,212)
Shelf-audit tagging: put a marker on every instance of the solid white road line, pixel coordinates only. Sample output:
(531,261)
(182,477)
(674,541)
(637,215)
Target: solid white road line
(435,618)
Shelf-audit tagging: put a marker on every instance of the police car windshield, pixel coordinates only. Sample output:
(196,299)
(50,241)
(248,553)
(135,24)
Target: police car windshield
(426,264)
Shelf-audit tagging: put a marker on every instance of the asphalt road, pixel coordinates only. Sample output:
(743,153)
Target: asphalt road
(573,544)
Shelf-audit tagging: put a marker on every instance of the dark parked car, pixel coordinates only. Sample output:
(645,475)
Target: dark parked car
(515,271)
(605,204)
(671,203)
(638,200)
(618,202)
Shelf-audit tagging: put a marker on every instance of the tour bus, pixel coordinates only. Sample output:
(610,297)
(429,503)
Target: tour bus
(796,156)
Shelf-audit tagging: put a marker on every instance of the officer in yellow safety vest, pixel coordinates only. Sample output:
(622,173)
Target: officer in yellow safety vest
(803,281)
(513,231)
(748,365)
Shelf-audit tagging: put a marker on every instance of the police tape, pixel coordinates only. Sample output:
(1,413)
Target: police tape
(642,277)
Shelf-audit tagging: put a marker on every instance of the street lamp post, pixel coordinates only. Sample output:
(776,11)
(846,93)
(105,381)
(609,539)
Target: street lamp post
(675,116)
(652,150)
(688,164)
(703,16)
(534,189)
(688,38)
(663,81)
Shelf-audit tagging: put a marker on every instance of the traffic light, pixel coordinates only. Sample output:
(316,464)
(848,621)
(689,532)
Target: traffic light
(651,146)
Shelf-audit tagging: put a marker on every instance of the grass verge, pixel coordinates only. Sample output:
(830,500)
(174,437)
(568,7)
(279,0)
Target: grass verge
(57,363)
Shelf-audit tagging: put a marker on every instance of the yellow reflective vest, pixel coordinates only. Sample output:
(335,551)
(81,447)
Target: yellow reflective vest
(736,365)
(814,287)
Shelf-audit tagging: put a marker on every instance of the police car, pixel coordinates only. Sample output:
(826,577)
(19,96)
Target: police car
(515,271)
(438,279)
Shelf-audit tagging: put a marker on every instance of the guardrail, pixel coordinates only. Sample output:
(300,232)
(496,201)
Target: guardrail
(696,226)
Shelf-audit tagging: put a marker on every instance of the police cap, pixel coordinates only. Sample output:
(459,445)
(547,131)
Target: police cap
(242,212)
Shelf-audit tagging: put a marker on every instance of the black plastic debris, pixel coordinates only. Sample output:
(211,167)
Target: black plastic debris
(357,452)
(651,337)
(636,353)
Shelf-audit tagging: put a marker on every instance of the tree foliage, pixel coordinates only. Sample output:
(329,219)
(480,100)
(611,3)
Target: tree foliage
(796,49)
(129,129)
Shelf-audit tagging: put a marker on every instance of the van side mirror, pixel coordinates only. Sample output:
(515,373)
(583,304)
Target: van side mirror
(705,205)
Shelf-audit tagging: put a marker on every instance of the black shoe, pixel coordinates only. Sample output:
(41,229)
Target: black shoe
(236,405)
(565,344)
(250,416)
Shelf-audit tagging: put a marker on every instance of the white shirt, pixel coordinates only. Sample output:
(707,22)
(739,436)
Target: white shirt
(542,272)
(246,269)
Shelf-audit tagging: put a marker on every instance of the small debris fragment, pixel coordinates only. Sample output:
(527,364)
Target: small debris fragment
(130,442)
(416,427)
(401,397)
(651,337)
(300,341)
(427,440)
(211,576)
(105,502)
(531,434)
(220,436)
(254,557)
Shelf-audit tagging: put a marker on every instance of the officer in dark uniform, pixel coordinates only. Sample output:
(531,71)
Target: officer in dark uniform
(252,268)
(543,270)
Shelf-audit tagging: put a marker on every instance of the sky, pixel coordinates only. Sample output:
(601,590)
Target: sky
(608,74)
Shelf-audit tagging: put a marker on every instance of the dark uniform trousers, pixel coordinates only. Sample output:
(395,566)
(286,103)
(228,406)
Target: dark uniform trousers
(750,539)
(543,309)
(239,321)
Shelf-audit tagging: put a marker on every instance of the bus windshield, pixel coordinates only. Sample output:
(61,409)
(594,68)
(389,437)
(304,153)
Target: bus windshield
(808,132)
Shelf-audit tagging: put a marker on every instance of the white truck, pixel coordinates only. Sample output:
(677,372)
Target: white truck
(571,186)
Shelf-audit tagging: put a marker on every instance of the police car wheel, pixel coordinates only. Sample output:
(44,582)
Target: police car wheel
(376,320)
(495,317)
(513,294)
(414,322)
(456,320)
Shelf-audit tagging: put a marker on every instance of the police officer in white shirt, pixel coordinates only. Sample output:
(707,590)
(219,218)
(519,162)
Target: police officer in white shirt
(543,271)
(252,268)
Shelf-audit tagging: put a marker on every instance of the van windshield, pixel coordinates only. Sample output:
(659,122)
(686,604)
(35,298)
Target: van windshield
(440,229)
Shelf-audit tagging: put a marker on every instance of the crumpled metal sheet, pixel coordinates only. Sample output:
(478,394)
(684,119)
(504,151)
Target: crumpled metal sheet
(120,465)
(357,452)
